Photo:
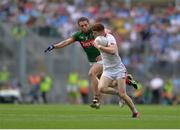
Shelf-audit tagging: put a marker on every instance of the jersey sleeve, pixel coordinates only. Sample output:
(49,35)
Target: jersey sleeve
(76,36)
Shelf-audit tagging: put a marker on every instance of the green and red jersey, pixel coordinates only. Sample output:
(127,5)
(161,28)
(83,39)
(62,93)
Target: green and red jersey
(86,40)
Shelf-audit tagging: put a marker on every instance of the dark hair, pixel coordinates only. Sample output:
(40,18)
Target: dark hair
(98,27)
(82,19)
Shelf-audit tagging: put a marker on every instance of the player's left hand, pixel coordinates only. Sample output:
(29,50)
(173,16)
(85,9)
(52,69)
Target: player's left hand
(51,47)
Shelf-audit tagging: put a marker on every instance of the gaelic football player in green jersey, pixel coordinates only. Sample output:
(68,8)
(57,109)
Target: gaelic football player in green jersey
(86,39)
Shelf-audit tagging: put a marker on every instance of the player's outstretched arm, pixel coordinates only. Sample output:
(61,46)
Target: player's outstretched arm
(60,44)
(64,43)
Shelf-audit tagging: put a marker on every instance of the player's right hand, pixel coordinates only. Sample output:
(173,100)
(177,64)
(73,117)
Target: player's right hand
(51,47)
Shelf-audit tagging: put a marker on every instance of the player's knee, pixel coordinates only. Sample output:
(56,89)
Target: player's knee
(101,89)
(92,74)
(113,84)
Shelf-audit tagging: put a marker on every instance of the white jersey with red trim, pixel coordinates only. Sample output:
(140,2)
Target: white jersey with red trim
(112,62)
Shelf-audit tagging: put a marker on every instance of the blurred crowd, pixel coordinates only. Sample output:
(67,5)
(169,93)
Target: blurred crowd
(77,89)
(40,85)
(156,91)
(147,34)
(134,27)
(37,87)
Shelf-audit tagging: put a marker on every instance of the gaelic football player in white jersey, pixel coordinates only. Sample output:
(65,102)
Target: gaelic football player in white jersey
(113,68)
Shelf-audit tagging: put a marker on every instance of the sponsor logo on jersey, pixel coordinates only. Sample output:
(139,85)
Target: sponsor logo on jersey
(87,43)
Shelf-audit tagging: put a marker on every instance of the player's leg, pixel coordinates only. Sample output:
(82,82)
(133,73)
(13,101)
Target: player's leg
(94,71)
(129,81)
(104,86)
(111,89)
(122,93)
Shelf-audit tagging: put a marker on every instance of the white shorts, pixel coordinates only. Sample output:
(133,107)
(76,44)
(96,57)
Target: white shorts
(114,75)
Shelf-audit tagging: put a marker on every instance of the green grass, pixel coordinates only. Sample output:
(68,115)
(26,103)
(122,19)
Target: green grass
(82,116)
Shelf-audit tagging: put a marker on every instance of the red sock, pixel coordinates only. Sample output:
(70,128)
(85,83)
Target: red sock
(127,80)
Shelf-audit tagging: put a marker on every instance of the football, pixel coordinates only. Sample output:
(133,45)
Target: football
(101,40)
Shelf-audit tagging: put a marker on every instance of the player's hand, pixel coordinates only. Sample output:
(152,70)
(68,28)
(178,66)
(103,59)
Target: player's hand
(51,47)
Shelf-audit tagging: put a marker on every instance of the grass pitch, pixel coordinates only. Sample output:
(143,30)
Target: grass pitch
(82,116)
